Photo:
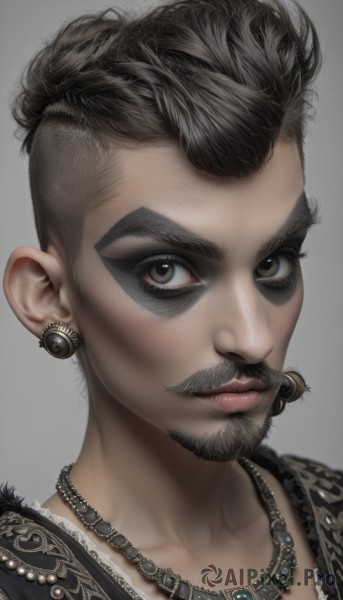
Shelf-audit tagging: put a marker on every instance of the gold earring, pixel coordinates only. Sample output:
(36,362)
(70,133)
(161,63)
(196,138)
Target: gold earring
(292,389)
(60,340)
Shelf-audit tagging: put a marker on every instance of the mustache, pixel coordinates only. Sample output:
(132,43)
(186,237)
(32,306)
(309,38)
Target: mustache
(209,379)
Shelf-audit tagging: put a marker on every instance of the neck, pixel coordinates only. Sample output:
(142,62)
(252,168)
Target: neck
(154,490)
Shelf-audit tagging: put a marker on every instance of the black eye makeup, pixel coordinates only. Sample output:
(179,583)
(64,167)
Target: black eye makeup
(166,268)
(281,270)
(167,275)
(162,281)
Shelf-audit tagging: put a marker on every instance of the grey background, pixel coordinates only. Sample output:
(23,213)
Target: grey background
(43,407)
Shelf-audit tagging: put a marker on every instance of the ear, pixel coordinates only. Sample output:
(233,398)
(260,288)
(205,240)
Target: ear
(35,284)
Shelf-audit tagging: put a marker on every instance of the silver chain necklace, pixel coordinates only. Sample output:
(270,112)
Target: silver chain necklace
(270,586)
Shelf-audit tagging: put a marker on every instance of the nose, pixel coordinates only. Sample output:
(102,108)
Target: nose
(243,324)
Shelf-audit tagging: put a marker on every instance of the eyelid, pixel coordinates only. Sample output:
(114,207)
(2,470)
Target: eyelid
(295,255)
(201,268)
(294,240)
(141,248)
(289,251)
(281,284)
(165,291)
(290,246)
(294,273)
(159,258)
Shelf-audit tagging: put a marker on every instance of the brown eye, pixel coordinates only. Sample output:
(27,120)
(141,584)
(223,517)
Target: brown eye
(273,267)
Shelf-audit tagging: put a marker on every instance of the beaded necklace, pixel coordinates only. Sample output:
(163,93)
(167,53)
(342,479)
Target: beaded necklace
(270,586)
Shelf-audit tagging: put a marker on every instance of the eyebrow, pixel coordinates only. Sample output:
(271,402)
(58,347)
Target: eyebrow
(303,216)
(148,223)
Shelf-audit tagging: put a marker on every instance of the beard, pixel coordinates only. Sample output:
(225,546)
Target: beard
(238,438)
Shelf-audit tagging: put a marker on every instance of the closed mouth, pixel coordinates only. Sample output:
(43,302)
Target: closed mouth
(235,387)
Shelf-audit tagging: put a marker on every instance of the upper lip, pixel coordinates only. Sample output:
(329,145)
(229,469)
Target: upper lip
(235,387)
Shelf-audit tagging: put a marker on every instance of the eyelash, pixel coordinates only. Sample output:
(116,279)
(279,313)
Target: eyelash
(163,292)
(294,254)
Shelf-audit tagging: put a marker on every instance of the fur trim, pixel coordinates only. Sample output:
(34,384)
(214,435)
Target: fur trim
(9,501)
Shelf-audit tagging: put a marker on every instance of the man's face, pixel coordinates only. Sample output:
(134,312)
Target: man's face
(182,272)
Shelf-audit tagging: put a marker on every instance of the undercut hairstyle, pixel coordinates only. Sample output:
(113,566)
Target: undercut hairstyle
(225,79)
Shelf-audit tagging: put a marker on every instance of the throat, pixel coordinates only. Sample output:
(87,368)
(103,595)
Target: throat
(281,563)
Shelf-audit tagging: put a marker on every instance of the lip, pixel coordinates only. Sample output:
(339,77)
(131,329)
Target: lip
(235,397)
(235,387)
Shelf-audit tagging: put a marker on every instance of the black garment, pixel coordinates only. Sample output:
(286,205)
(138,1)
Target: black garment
(38,546)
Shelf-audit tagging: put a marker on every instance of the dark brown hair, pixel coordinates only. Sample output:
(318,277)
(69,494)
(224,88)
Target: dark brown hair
(224,78)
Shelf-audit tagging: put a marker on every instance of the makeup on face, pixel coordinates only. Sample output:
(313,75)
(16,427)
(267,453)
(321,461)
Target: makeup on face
(166,268)
(168,271)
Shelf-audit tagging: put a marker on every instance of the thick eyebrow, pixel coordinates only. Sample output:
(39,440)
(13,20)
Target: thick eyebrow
(146,222)
(303,216)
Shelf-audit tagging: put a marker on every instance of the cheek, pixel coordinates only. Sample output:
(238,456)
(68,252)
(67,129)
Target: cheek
(132,355)
(285,319)
(131,351)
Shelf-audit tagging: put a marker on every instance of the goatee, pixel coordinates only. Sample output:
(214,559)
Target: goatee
(238,438)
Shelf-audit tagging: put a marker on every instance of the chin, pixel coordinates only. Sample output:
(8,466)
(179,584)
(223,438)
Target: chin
(238,438)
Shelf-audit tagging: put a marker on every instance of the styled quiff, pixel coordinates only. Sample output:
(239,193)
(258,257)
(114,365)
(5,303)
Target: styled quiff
(224,78)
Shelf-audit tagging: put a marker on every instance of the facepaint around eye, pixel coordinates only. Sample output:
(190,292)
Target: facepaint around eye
(169,273)
(280,270)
